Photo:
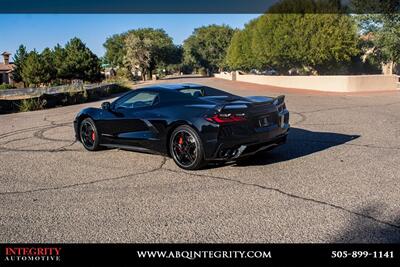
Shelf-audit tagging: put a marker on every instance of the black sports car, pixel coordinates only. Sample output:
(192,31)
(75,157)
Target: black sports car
(194,124)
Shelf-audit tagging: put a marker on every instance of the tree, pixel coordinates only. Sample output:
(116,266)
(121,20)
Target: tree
(18,60)
(173,61)
(33,70)
(153,48)
(59,55)
(75,61)
(240,53)
(207,47)
(114,46)
(305,40)
(388,39)
(47,61)
(309,7)
(383,26)
(159,48)
(79,62)
(138,54)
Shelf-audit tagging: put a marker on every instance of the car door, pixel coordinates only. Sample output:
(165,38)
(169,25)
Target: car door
(127,124)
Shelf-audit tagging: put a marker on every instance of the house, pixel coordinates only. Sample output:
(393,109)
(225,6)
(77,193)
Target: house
(6,69)
(109,73)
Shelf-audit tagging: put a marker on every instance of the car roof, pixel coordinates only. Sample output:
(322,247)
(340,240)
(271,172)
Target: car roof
(172,86)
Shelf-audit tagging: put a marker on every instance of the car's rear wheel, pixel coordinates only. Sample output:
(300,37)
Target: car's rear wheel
(89,135)
(186,148)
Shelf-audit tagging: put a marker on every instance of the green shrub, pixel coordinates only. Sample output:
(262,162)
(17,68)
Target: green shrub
(6,86)
(84,96)
(120,87)
(124,73)
(203,71)
(31,104)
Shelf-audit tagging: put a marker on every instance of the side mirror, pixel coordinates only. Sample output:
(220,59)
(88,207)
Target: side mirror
(106,105)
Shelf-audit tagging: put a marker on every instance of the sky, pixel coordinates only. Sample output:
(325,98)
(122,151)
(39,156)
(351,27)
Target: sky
(38,31)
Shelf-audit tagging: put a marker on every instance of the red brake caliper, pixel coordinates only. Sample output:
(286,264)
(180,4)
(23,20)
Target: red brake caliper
(93,136)
(180,141)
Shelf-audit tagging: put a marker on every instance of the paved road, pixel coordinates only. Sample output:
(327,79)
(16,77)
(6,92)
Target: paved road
(337,180)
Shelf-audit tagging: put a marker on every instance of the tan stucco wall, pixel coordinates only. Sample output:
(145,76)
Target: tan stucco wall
(339,83)
(224,75)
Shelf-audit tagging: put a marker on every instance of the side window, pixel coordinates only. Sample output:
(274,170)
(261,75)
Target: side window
(140,100)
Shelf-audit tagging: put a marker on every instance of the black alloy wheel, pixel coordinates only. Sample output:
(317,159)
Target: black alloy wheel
(186,148)
(88,134)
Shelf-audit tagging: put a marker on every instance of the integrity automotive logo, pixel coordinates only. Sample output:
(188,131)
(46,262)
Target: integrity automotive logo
(31,254)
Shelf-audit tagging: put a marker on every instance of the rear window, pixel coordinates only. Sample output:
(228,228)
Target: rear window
(204,91)
(196,92)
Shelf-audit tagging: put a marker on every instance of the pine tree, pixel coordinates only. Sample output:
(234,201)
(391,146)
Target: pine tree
(79,62)
(33,70)
(59,56)
(47,61)
(19,58)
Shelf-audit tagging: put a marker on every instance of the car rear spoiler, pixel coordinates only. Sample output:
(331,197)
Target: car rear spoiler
(277,101)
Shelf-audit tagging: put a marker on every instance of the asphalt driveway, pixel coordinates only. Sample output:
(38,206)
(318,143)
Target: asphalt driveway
(336,180)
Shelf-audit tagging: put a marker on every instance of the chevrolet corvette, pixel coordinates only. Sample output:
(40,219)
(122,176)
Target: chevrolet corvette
(194,124)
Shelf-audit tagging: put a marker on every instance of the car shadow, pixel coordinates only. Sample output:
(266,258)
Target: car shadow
(367,227)
(300,143)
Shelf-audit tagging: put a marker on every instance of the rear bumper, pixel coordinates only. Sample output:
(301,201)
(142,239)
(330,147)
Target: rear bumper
(240,140)
(242,147)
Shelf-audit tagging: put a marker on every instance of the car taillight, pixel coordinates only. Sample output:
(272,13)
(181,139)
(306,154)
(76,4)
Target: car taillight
(226,118)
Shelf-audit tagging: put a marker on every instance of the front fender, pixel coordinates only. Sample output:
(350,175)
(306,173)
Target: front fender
(93,113)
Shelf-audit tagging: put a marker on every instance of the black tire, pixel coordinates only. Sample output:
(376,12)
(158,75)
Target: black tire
(89,135)
(186,148)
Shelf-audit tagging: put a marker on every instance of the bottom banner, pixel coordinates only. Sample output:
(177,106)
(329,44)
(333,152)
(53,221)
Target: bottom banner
(199,254)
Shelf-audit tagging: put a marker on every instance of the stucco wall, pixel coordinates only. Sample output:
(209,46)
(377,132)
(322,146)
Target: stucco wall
(224,75)
(339,83)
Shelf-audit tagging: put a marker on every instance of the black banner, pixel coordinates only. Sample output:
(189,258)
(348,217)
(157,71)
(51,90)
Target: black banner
(195,6)
(199,254)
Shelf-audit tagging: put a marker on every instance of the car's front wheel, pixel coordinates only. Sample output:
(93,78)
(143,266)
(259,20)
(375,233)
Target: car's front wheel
(186,148)
(89,135)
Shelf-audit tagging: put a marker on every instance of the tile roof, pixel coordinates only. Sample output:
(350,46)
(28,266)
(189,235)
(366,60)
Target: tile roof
(6,67)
